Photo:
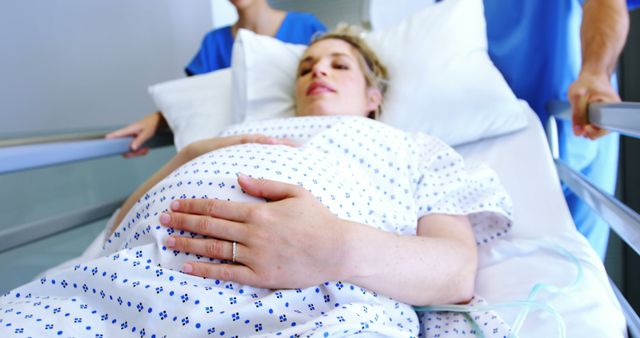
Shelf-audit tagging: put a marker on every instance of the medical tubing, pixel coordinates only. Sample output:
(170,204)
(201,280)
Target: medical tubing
(527,304)
(517,324)
(486,308)
(474,325)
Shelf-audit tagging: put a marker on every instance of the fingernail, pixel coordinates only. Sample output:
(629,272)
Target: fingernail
(175,205)
(164,219)
(171,242)
(186,268)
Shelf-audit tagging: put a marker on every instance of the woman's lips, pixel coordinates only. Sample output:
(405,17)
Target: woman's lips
(319,87)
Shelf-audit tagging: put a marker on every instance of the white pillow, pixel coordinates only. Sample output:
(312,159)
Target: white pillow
(197,107)
(264,72)
(440,76)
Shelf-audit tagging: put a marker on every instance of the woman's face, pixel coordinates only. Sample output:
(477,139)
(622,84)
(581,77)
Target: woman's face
(331,82)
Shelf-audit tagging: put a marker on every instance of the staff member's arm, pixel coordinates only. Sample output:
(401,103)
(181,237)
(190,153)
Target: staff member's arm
(605,25)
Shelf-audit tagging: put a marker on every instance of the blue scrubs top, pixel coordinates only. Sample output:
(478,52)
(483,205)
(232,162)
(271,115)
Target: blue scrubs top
(215,51)
(536,46)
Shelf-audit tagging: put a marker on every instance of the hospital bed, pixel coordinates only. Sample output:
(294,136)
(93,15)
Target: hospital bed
(537,221)
(543,247)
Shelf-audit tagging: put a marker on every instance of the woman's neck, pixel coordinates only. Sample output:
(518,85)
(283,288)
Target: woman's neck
(259,18)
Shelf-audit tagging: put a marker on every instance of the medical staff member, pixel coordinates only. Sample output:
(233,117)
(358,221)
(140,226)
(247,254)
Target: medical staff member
(566,50)
(215,53)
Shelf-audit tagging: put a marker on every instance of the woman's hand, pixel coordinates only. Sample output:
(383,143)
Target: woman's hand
(198,148)
(589,87)
(293,241)
(141,131)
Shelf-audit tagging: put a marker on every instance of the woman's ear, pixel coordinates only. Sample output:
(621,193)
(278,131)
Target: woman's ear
(374,99)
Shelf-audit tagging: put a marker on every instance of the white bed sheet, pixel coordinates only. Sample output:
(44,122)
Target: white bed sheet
(510,268)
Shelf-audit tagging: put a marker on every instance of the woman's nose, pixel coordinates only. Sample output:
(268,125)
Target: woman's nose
(319,71)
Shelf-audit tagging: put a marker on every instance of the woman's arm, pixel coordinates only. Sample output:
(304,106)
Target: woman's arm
(294,242)
(436,267)
(185,155)
(605,24)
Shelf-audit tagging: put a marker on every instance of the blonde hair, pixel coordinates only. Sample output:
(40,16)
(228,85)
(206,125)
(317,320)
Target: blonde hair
(375,73)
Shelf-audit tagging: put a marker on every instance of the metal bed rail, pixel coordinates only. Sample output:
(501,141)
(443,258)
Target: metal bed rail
(633,323)
(625,119)
(35,152)
(622,117)
(22,154)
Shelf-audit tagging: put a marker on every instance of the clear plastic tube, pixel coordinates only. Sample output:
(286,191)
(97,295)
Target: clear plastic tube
(528,304)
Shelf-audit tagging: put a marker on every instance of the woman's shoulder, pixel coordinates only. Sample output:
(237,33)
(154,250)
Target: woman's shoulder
(214,52)
(218,41)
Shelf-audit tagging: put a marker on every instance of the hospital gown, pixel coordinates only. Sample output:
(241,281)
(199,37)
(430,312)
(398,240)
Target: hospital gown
(360,169)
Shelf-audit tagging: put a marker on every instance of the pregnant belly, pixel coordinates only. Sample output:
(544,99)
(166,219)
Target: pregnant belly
(214,175)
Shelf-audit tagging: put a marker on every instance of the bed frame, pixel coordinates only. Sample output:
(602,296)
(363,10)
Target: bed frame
(29,153)
(623,118)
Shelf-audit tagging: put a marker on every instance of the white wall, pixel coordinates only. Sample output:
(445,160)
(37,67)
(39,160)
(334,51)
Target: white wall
(72,64)
(69,64)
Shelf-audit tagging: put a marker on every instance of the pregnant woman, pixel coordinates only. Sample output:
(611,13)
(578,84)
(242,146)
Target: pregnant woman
(326,224)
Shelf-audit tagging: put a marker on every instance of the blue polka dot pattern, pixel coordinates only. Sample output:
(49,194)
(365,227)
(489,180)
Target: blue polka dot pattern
(362,170)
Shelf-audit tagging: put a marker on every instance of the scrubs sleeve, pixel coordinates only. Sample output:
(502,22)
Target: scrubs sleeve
(214,52)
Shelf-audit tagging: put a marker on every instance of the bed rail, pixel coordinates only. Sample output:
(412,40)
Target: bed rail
(622,219)
(20,154)
(623,118)
(633,322)
(29,153)
(35,152)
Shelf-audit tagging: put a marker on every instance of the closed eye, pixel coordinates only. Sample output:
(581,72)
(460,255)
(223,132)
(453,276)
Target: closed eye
(341,66)
(304,71)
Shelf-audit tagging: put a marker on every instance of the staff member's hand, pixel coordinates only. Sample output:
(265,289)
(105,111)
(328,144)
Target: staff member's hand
(141,131)
(588,88)
(292,241)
